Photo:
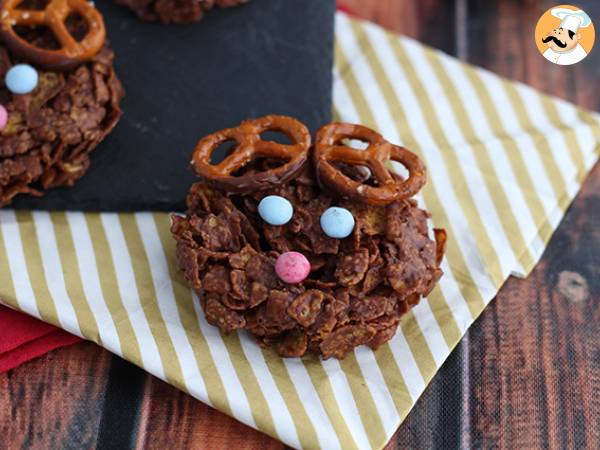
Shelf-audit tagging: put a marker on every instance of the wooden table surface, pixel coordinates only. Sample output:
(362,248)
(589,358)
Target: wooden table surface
(526,375)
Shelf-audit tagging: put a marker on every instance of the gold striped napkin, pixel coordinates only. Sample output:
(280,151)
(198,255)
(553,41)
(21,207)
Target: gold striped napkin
(504,163)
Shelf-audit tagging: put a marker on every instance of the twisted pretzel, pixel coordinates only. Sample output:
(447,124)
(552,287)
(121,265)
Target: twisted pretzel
(251,146)
(390,187)
(53,16)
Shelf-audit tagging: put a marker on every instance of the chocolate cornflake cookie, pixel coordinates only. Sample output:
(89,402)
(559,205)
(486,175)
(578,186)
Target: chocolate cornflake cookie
(175,11)
(59,97)
(311,249)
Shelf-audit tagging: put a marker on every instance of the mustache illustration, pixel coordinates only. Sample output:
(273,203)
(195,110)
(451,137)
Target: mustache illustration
(556,41)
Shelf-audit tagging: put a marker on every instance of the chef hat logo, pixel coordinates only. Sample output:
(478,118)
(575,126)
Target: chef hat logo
(564,35)
(570,19)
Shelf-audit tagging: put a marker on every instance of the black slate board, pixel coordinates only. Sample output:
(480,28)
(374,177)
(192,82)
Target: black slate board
(183,82)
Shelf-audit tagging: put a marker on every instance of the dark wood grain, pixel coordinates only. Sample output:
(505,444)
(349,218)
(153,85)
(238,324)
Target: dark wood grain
(55,401)
(526,375)
(170,417)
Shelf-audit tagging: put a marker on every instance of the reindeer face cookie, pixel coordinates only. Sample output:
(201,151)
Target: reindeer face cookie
(312,249)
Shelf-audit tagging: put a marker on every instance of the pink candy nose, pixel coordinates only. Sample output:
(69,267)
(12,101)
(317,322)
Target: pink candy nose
(292,267)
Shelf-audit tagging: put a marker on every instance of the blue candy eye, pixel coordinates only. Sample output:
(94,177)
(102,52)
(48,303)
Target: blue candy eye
(337,222)
(275,210)
(21,79)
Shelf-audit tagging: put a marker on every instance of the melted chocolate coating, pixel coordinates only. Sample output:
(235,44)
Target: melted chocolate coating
(358,289)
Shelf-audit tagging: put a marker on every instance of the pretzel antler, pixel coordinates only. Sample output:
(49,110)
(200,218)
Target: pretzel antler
(72,52)
(390,187)
(250,146)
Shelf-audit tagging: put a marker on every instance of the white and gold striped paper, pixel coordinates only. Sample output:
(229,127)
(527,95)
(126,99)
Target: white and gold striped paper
(504,163)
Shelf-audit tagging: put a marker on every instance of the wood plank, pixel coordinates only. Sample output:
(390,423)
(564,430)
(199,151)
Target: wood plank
(168,416)
(55,401)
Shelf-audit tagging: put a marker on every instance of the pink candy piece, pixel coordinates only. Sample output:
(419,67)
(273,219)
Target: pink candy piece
(292,267)
(3,117)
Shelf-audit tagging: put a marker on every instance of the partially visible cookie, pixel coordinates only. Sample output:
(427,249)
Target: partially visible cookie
(175,11)
(50,130)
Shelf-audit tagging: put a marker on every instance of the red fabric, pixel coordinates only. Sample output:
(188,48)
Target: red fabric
(23,338)
(344,9)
